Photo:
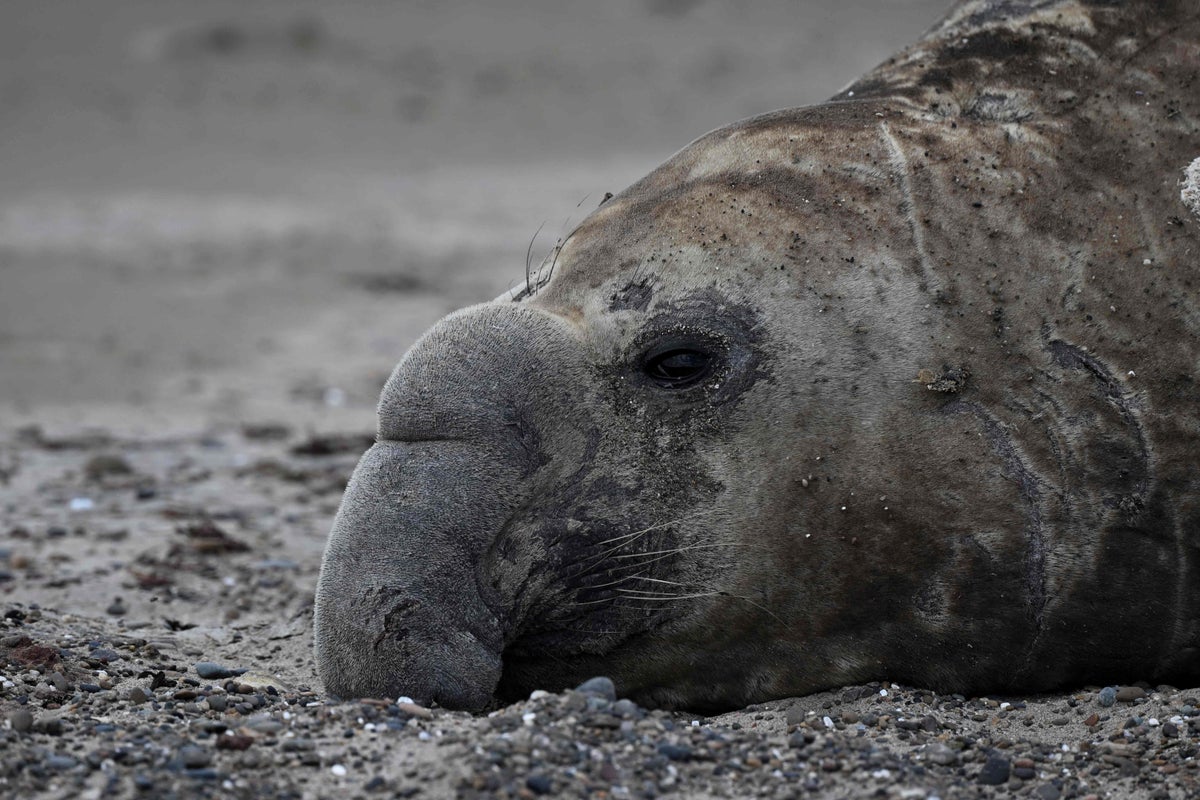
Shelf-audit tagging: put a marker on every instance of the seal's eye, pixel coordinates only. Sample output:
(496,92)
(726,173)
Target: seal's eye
(677,367)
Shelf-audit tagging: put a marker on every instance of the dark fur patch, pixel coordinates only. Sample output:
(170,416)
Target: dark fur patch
(992,45)
(634,296)
(1124,464)
(1019,469)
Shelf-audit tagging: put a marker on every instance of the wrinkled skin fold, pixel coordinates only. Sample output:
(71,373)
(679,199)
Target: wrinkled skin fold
(899,386)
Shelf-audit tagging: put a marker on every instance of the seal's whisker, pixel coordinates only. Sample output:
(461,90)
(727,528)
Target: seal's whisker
(633,595)
(558,249)
(654,527)
(714,590)
(626,540)
(596,602)
(613,583)
(529,258)
(685,548)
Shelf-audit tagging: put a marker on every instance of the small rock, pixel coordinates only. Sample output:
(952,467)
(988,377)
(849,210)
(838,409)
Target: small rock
(995,771)
(137,695)
(675,752)
(297,745)
(52,726)
(600,687)
(61,763)
(1127,694)
(940,753)
(414,710)
(21,720)
(194,757)
(211,671)
(1048,791)
(217,702)
(251,683)
(626,709)
(100,467)
(266,431)
(234,741)
(539,784)
(104,655)
(1170,730)
(264,724)
(1107,696)
(116,608)
(338,770)
(802,738)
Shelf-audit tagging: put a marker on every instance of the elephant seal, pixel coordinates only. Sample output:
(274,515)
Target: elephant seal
(901,386)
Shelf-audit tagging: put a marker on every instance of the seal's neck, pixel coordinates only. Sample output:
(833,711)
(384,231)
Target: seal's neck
(1038,48)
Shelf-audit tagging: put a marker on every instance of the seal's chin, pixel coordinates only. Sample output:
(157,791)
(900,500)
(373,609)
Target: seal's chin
(552,663)
(520,675)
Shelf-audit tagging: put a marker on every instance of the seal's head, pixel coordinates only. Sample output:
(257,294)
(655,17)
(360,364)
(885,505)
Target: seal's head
(823,399)
(670,464)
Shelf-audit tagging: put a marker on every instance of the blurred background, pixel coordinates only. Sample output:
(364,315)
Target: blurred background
(246,210)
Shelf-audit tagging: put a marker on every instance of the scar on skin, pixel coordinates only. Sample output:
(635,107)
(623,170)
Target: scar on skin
(1191,187)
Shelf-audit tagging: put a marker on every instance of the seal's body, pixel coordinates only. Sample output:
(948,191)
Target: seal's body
(900,386)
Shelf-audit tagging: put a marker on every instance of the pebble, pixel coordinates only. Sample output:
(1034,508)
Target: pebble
(600,687)
(137,695)
(1107,696)
(194,756)
(211,671)
(414,710)
(1127,694)
(264,724)
(234,741)
(940,753)
(539,784)
(626,709)
(98,467)
(116,608)
(297,745)
(21,720)
(61,762)
(675,752)
(995,771)
(52,726)
(338,770)
(1048,791)
(104,655)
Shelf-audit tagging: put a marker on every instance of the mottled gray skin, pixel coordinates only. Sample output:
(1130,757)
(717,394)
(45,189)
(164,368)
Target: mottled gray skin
(952,433)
